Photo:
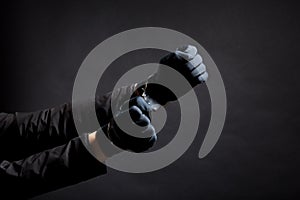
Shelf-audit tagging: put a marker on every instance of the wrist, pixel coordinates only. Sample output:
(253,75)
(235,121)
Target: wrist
(159,93)
(95,147)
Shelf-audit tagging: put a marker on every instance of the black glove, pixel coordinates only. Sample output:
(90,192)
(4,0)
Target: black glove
(187,62)
(139,112)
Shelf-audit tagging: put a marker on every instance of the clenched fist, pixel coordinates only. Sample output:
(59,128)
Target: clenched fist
(187,62)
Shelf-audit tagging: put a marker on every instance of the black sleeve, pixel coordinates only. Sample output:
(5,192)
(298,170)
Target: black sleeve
(23,134)
(41,151)
(49,170)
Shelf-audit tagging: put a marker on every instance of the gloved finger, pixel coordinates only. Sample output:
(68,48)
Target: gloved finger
(187,52)
(199,70)
(135,113)
(141,104)
(203,77)
(149,130)
(197,60)
(143,143)
(143,120)
(138,117)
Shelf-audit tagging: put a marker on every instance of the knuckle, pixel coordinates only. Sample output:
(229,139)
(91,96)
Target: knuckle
(197,60)
(202,67)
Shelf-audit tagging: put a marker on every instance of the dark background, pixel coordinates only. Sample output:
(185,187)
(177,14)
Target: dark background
(254,44)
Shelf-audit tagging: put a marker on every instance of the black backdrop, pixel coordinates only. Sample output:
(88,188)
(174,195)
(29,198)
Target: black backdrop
(254,44)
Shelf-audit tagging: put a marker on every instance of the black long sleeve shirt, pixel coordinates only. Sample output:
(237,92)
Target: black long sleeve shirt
(41,152)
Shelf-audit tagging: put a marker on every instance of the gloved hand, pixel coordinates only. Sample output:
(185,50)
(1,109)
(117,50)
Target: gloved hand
(186,61)
(139,112)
